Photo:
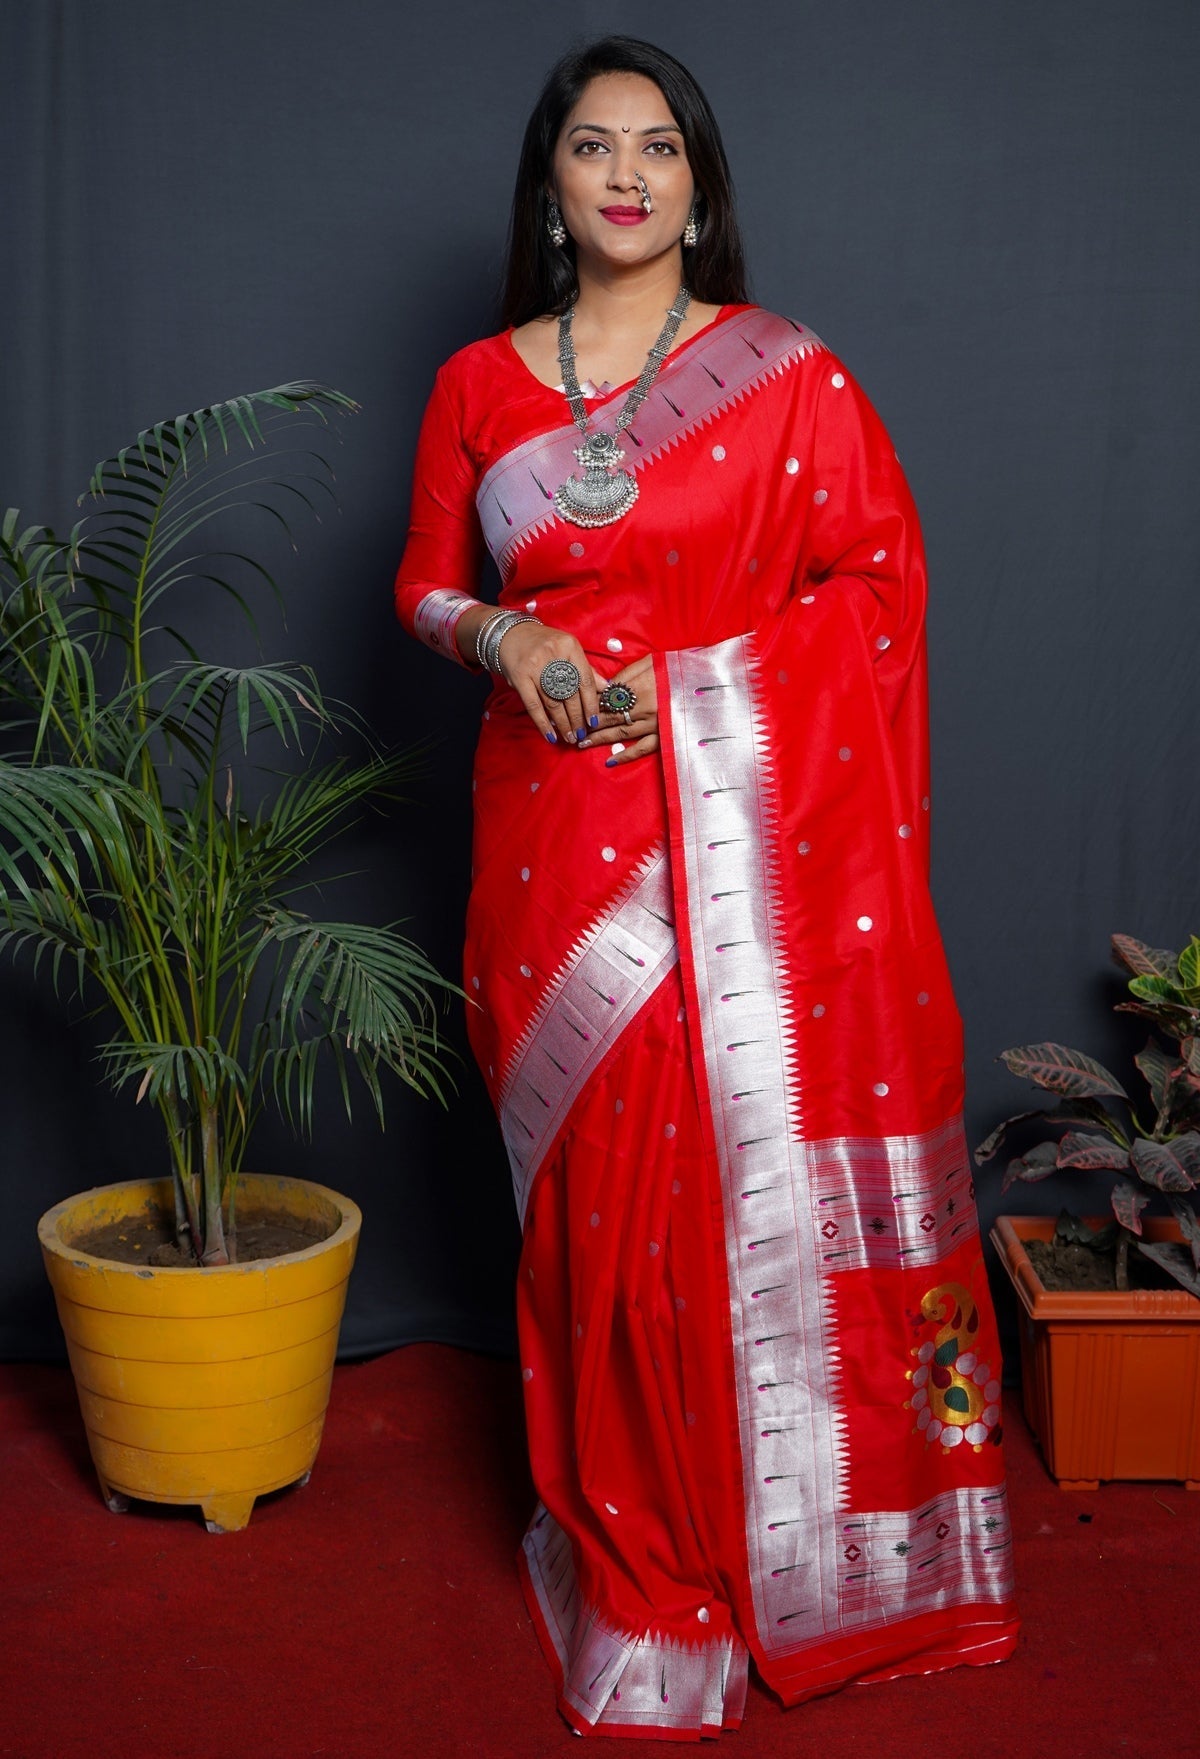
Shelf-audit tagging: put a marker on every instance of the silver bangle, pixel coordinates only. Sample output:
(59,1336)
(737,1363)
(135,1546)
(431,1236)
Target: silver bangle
(500,632)
(491,647)
(481,632)
(496,634)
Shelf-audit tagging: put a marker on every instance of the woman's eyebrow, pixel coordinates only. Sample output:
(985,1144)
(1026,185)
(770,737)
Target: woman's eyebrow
(599,128)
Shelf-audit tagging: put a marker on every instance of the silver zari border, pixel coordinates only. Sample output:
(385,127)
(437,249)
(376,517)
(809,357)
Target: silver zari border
(816,1566)
(602,983)
(901,1563)
(620,1679)
(891,1202)
(785,1350)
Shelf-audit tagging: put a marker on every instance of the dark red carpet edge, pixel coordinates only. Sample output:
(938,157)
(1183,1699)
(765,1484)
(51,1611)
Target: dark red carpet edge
(378,1611)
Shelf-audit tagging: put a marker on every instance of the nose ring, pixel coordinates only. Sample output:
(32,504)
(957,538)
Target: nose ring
(645,192)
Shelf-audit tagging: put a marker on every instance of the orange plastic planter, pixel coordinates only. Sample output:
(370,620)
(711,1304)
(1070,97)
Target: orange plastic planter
(1110,1382)
(201,1386)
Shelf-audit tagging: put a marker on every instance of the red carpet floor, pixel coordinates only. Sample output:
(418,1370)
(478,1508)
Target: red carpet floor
(377,1611)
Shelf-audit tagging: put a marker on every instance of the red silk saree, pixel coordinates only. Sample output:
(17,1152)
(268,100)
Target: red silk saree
(761,1369)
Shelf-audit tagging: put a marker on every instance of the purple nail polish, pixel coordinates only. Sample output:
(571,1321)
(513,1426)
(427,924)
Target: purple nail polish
(552,736)
(593,720)
(581,735)
(609,762)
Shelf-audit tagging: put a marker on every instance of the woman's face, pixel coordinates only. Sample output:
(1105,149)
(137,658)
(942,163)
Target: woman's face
(622,126)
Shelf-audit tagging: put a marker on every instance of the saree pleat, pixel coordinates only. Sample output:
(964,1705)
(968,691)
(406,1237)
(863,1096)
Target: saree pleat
(622,1349)
(711,1004)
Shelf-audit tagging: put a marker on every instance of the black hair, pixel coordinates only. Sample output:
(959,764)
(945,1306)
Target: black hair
(540,277)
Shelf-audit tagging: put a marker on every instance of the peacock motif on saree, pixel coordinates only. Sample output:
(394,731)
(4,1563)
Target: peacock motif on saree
(956,1396)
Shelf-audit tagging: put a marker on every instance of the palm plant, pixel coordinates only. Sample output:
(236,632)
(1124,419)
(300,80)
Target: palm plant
(145,861)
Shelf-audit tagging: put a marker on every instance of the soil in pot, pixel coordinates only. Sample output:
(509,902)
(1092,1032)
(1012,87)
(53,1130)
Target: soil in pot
(1068,1265)
(150,1238)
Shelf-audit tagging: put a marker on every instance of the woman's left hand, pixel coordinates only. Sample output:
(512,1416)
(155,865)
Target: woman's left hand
(637,737)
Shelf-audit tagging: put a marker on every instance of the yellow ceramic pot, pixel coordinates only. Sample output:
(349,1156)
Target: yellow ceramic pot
(202,1386)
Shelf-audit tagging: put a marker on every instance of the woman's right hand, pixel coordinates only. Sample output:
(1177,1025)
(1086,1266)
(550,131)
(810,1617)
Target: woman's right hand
(525,651)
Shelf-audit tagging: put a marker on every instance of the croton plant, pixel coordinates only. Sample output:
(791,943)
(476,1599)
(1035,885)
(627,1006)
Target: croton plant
(1151,1147)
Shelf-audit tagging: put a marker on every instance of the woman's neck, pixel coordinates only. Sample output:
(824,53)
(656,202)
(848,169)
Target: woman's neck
(624,299)
(618,315)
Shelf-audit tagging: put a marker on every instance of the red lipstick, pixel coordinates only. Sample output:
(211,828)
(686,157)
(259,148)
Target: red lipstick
(624,216)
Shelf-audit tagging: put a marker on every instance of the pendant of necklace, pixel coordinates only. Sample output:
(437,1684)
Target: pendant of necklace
(605,493)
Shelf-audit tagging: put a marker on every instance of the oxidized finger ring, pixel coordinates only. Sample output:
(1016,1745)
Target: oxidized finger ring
(559,680)
(617,699)
(626,717)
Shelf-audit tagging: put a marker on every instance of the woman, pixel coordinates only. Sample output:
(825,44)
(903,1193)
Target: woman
(761,1368)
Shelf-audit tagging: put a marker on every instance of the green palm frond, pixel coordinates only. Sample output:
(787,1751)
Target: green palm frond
(154,497)
(185,1073)
(366,990)
(53,624)
(168,441)
(55,815)
(309,811)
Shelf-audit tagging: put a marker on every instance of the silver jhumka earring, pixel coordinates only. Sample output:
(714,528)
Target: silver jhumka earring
(554,225)
(691,232)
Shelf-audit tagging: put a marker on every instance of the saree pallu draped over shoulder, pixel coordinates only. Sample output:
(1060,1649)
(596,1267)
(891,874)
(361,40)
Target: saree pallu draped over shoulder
(761,1368)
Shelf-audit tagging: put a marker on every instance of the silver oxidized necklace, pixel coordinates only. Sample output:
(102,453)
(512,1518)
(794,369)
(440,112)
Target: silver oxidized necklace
(604,493)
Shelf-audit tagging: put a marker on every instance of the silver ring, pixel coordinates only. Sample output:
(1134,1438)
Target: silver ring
(627,717)
(615,699)
(559,680)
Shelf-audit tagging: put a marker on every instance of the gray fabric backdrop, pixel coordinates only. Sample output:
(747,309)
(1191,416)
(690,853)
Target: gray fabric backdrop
(989,212)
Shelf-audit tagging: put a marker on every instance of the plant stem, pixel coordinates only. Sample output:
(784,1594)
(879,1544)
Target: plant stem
(215,1250)
(1122,1267)
(183,1226)
(231,1231)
